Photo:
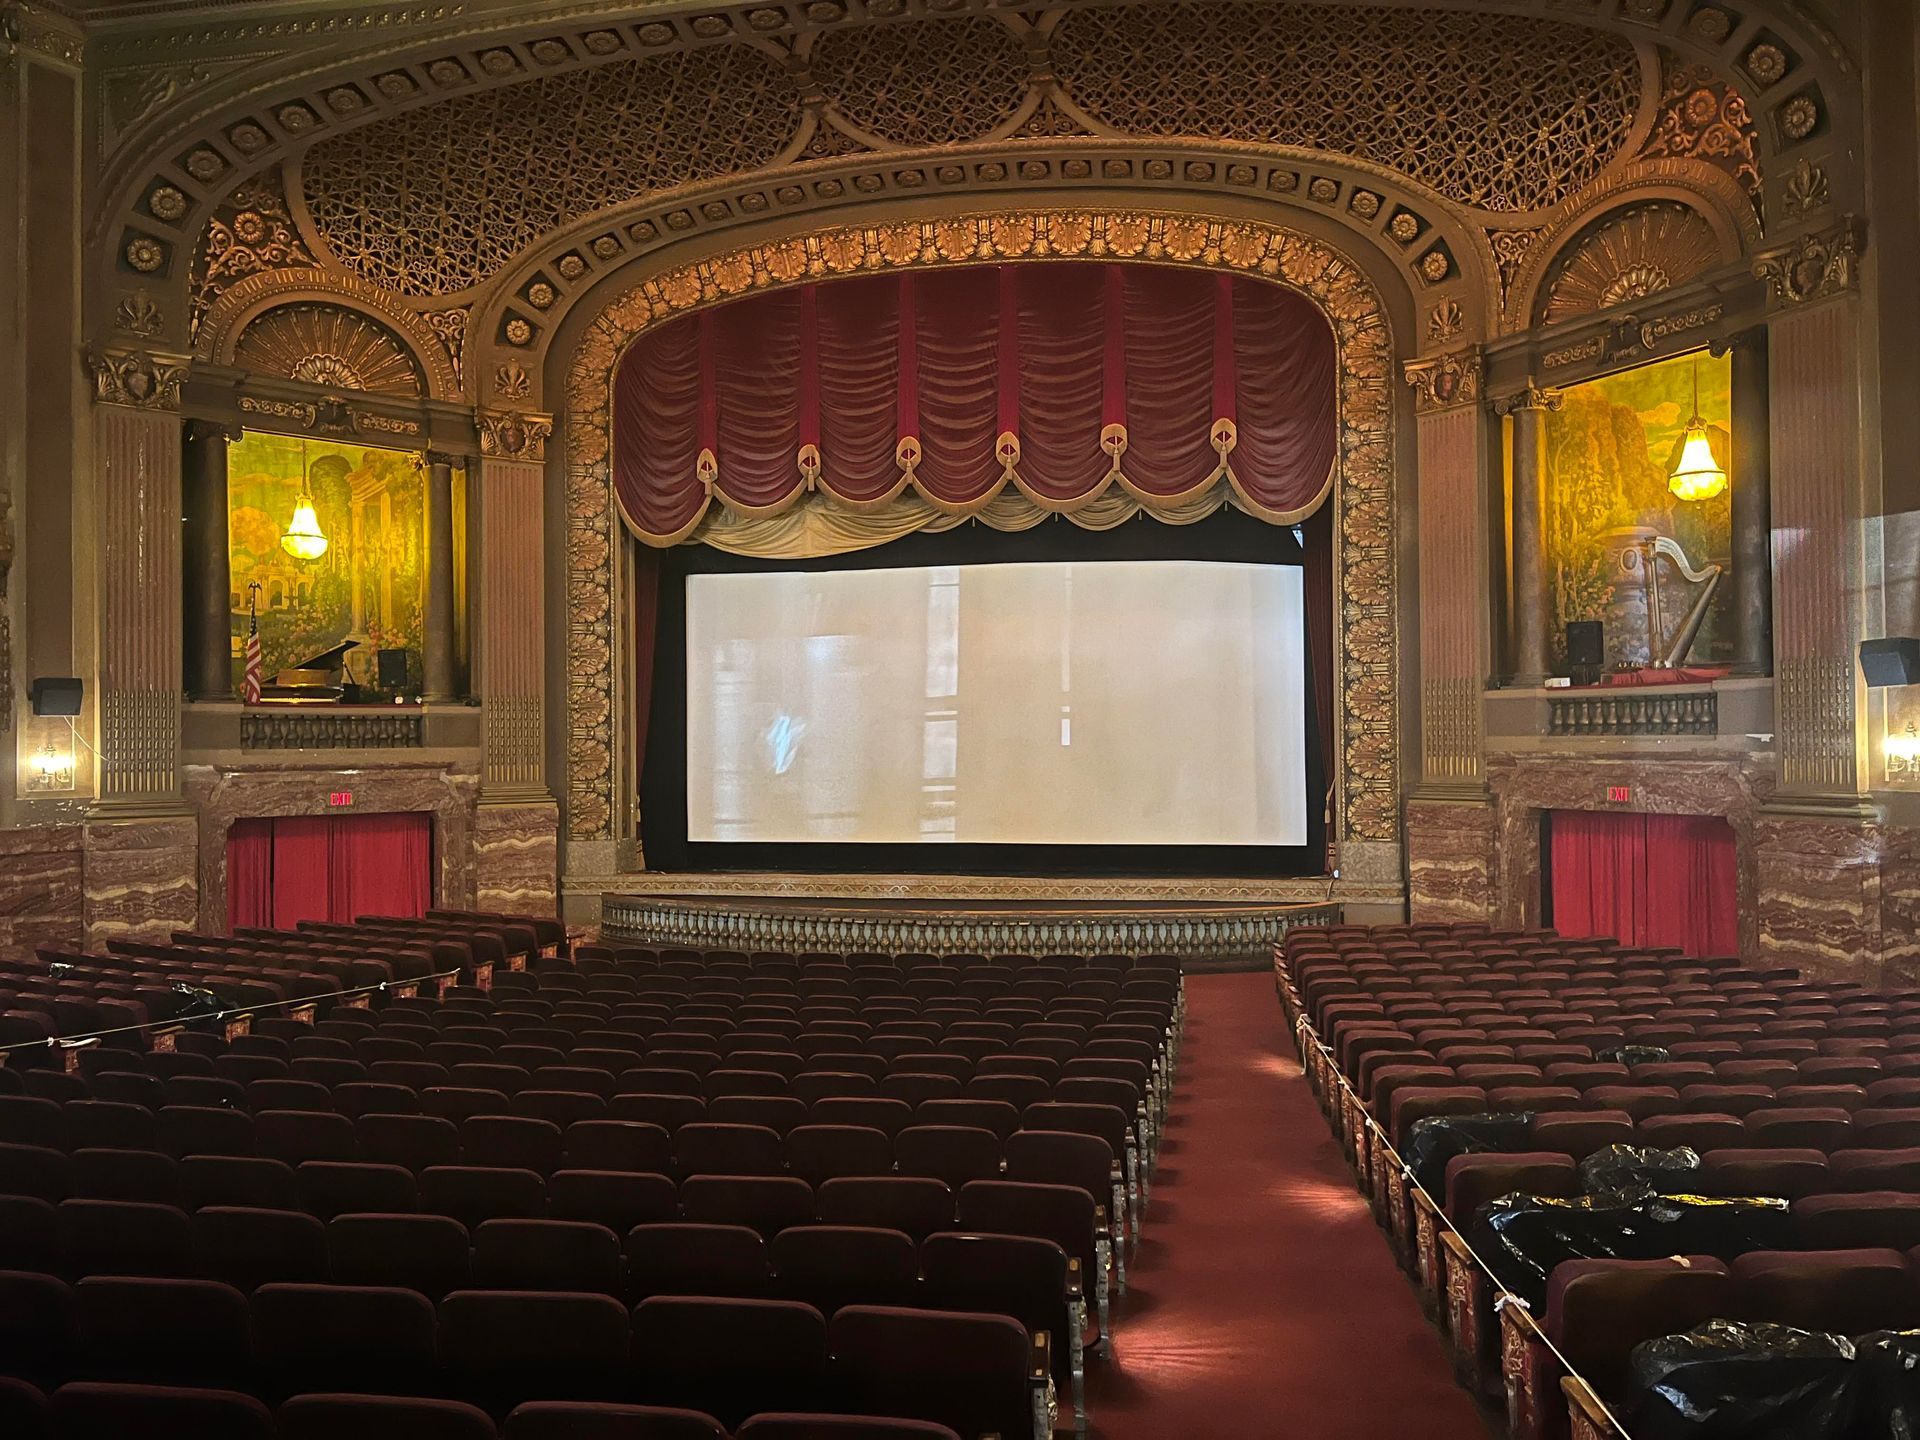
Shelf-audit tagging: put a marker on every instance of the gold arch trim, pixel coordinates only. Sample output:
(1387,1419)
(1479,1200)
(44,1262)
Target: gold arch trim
(1365,612)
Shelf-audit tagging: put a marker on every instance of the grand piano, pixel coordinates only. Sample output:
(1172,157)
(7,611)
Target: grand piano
(317,680)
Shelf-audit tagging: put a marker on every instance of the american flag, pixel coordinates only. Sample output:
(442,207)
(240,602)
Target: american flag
(250,683)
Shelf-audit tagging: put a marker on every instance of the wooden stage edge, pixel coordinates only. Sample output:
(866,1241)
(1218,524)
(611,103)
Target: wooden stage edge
(1195,925)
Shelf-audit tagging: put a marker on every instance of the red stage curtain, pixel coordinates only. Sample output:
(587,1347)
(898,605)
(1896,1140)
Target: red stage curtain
(863,386)
(249,874)
(1662,880)
(328,867)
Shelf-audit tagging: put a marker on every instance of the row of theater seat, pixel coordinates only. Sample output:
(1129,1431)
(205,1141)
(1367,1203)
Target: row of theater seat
(1787,1088)
(984,1058)
(980,1352)
(106,1411)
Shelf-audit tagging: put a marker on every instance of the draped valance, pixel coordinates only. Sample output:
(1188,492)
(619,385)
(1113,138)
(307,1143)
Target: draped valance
(1060,380)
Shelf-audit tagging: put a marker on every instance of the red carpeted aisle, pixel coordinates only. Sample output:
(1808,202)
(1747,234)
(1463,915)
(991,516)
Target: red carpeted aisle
(1264,1301)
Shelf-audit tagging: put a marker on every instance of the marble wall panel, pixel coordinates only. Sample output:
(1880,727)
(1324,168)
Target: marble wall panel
(141,878)
(1821,895)
(42,884)
(1525,785)
(223,795)
(1900,907)
(1451,861)
(516,858)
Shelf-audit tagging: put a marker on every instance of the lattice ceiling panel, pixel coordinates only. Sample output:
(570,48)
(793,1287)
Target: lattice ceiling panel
(1506,113)
(434,201)
(935,83)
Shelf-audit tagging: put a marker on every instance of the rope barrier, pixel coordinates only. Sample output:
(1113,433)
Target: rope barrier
(74,1042)
(1503,1297)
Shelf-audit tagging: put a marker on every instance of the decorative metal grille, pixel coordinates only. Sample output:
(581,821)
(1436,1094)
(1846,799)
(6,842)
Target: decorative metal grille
(1506,113)
(435,200)
(934,83)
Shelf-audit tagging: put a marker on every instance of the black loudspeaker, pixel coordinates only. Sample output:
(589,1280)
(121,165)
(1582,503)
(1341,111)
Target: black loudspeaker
(55,695)
(1893,660)
(393,669)
(1586,650)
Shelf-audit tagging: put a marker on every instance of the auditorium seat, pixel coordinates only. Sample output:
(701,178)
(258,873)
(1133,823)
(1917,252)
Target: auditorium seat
(546,1255)
(788,1426)
(916,1206)
(768,1204)
(376,1417)
(379,1339)
(164,1331)
(574,1420)
(694,1258)
(505,1347)
(1847,1292)
(151,1412)
(972,1373)
(248,1247)
(427,1253)
(827,1266)
(474,1193)
(239,1180)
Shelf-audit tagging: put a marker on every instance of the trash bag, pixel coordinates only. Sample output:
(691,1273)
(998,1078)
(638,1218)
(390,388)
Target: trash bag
(1634,1055)
(1522,1237)
(1891,1359)
(196,1006)
(1730,1381)
(1437,1139)
(60,969)
(1639,1170)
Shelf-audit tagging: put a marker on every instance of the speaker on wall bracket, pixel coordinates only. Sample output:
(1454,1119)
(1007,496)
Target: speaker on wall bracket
(1891,660)
(57,695)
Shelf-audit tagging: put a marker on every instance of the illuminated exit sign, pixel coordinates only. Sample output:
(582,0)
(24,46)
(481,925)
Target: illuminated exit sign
(1616,794)
(340,797)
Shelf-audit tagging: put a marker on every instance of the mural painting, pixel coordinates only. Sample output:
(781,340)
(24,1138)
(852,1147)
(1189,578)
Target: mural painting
(368,587)
(1610,448)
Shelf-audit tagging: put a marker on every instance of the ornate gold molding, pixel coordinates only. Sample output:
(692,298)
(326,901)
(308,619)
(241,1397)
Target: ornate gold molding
(1365,584)
(36,31)
(1446,382)
(513,434)
(1815,266)
(1529,397)
(137,378)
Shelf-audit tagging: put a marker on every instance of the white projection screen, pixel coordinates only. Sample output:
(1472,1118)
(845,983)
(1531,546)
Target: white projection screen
(1114,703)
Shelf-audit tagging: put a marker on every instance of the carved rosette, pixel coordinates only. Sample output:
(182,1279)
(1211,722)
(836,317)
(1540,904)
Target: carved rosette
(1817,265)
(1446,382)
(1366,613)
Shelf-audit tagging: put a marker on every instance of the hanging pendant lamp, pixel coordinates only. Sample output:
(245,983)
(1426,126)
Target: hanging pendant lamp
(1696,475)
(304,539)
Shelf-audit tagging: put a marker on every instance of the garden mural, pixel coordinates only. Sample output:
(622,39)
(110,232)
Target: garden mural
(368,587)
(1610,447)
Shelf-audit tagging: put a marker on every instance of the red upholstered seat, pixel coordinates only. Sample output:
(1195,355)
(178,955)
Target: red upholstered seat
(379,1417)
(1598,1310)
(687,1350)
(113,1412)
(1846,1292)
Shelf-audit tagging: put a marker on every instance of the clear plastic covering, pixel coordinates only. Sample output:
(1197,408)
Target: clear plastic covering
(1523,1237)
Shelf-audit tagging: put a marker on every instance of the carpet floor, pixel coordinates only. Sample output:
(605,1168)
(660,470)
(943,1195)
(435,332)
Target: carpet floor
(1263,1301)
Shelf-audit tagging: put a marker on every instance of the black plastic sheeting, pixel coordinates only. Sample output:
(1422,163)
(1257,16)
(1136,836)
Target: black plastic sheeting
(1636,1170)
(1731,1381)
(1634,1055)
(1523,1237)
(1437,1139)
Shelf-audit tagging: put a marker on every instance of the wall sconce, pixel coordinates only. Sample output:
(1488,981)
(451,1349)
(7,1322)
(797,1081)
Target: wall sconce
(1902,752)
(50,769)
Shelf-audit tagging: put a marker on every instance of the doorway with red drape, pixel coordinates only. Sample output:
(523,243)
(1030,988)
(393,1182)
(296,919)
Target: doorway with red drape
(283,870)
(1658,880)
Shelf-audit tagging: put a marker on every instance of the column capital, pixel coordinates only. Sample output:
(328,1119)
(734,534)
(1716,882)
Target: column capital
(136,378)
(513,434)
(1531,397)
(445,458)
(1815,266)
(198,429)
(1446,382)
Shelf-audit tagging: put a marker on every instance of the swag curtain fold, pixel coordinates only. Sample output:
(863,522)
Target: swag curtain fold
(328,867)
(1658,880)
(1060,380)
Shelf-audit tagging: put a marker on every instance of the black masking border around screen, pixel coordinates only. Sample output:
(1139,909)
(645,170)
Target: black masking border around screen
(1226,536)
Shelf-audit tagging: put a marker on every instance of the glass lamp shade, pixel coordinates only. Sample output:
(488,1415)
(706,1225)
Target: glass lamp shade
(1697,475)
(304,540)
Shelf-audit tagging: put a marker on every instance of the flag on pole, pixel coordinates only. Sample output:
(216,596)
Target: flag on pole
(250,685)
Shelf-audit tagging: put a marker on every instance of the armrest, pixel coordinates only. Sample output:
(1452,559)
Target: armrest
(1045,1408)
(1040,1357)
(1587,1416)
(1076,1287)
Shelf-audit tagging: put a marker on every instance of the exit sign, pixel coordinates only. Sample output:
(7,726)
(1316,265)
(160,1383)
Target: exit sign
(1616,794)
(340,797)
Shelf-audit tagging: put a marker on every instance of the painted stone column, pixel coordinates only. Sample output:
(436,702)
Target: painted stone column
(1752,504)
(204,558)
(141,842)
(1530,608)
(1820,842)
(438,661)
(1450,851)
(516,835)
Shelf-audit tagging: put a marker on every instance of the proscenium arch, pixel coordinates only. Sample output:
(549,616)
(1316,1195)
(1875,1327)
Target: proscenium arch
(1365,522)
